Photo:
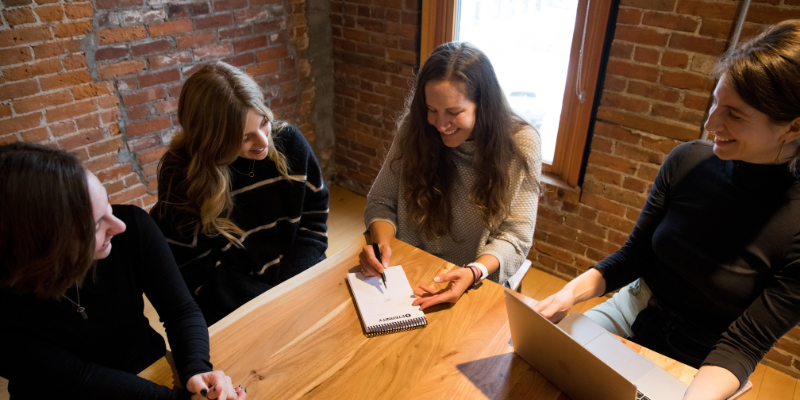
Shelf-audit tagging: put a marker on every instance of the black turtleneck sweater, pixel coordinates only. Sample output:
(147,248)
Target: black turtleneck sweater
(718,242)
(47,351)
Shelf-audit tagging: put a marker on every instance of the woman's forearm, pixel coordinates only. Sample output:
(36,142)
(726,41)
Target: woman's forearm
(588,285)
(381,232)
(712,383)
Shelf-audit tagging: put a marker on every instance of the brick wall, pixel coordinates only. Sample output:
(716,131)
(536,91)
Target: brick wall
(656,93)
(375,46)
(102,79)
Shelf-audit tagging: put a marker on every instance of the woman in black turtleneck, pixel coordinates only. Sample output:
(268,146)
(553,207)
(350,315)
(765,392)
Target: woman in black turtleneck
(715,254)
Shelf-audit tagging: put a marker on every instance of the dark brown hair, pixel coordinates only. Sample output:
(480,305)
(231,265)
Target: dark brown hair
(46,221)
(765,73)
(193,176)
(427,177)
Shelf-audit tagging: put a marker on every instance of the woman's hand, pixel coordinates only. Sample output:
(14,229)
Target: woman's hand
(218,385)
(370,265)
(459,280)
(556,307)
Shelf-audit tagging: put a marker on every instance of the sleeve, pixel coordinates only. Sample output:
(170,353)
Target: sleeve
(625,265)
(28,362)
(164,286)
(311,241)
(514,241)
(770,316)
(382,198)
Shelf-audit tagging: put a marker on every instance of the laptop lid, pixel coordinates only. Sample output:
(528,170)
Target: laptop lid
(561,359)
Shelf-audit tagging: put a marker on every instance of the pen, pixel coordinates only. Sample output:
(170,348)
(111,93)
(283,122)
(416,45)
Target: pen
(377,251)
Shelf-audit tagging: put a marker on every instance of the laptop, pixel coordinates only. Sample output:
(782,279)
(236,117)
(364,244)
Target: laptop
(584,360)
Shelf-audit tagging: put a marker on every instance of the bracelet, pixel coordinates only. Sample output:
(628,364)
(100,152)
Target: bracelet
(482,268)
(474,275)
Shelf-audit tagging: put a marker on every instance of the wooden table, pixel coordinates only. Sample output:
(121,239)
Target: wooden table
(303,339)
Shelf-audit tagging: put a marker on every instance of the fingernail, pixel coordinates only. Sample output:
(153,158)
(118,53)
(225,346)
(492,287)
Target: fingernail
(203,392)
(245,390)
(437,279)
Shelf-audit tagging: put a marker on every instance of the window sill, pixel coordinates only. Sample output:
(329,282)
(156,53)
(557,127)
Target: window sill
(557,189)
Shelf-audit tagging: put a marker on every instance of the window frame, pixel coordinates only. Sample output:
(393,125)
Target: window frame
(439,24)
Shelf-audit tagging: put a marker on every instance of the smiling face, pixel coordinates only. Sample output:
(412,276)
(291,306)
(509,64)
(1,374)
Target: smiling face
(744,133)
(450,111)
(254,140)
(105,223)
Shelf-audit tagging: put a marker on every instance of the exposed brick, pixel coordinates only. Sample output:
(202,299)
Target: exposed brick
(159,78)
(19,16)
(5,110)
(678,114)
(671,59)
(647,172)
(662,145)
(15,56)
(20,36)
(79,10)
(183,10)
(695,102)
(263,68)
(169,60)
(611,99)
(653,92)
(629,16)
(35,135)
(22,123)
(88,121)
(700,8)
(615,222)
(670,21)
(145,142)
(765,14)
(63,128)
(66,79)
(716,28)
(74,61)
(641,35)
(638,154)
(614,83)
(273,53)
(111,53)
(685,80)
(646,55)
(115,4)
(269,26)
(139,112)
(142,16)
(141,128)
(50,13)
(71,111)
(120,69)
(91,90)
(213,22)
(32,70)
(621,50)
(151,47)
(250,44)
(166,107)
(55,49)
(151,155)
(36,103)
(647,124)
(696,44)
(227,5)
(631,70)
(204,38)
(105,147)
(660,5)
(212,52)
(236,32)
(143,96)
(602,175)
(119,35)
(240,60)
(170,28)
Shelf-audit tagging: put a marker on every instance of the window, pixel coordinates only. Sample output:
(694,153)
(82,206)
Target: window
(535,47)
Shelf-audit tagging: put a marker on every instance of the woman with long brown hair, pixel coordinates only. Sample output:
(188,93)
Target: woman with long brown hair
(710,275)
(240,196)
(73,269)
(461,179)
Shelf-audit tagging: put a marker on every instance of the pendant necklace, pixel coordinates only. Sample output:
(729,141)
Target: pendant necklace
(252,168)
(81,310)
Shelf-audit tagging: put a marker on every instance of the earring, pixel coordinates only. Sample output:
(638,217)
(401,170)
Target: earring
(779,152)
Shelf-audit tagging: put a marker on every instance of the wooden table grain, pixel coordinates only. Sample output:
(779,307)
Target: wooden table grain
(303,339)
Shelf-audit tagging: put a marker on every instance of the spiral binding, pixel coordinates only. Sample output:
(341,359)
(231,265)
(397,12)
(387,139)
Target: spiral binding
(397,326)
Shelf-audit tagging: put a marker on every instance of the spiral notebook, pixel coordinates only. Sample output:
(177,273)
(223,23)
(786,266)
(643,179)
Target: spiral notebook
(385,309)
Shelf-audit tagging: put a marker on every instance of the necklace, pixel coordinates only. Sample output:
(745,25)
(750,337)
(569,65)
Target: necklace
(252,168)
(81,310)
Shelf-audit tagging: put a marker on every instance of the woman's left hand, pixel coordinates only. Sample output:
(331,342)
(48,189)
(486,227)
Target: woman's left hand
(459,280)
(217,385)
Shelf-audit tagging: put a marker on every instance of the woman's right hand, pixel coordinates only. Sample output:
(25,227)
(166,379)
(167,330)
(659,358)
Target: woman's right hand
(218,386)
(370,265)
(556,307)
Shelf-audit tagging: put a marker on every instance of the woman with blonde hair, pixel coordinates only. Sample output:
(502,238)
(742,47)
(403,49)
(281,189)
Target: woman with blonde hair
(240,196)
(461,179)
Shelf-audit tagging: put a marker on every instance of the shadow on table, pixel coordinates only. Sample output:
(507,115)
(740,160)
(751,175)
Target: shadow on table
(507,376)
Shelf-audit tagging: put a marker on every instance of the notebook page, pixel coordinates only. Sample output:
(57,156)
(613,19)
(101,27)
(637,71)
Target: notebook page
(380,304)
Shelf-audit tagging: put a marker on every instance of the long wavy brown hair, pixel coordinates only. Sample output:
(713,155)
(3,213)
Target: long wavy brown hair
(194,176)
(427,176)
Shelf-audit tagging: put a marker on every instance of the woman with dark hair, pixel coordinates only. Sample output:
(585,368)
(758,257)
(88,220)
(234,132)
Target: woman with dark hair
(715,255)
(240,196)
(72,307)
(461,179)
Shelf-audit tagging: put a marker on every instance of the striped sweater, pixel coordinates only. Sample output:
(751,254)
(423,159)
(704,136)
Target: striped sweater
(284,220)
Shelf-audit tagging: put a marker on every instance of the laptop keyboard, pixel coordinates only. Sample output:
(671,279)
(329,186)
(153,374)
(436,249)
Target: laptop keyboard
(641,396)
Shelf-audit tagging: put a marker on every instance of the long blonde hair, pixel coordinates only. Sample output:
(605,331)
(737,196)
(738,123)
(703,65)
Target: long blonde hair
(194,176)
